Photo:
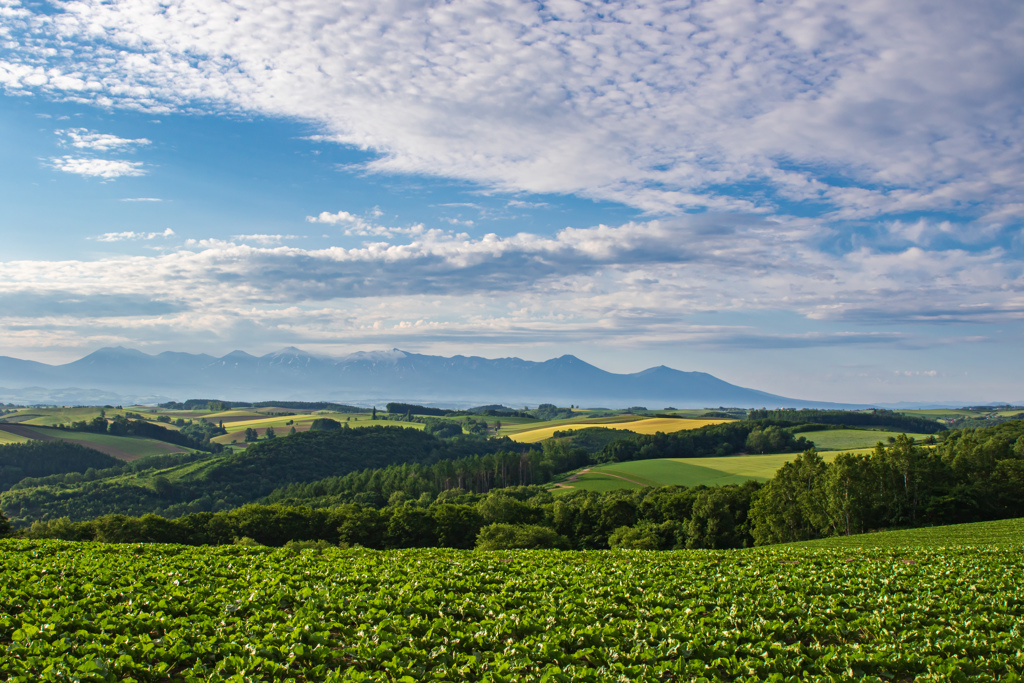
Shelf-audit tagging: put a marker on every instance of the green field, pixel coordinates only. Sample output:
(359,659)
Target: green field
(94,612)
(134,446)
(848,439)
(124,447)
(301,422)
(734,469)
(1006,533)
(7,437)
(54,416)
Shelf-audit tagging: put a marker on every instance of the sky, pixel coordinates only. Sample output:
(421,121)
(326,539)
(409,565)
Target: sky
(817,199)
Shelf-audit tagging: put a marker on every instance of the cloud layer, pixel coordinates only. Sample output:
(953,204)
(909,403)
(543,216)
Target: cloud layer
(861,109)
(637,281)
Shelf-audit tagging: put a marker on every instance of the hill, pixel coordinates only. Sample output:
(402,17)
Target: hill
(734,469)
(228,480)
(1003,533)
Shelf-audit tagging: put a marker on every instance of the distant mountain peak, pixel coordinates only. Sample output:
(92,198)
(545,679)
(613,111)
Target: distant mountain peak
(374,356)
(117,350)
(290,351)
(237,353)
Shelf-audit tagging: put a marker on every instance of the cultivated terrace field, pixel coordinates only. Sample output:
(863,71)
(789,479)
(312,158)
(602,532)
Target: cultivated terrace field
(98,612)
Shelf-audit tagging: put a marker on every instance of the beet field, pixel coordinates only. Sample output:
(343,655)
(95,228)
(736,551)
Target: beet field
(94,612)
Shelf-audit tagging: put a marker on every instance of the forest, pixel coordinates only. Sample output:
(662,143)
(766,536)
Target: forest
(365,465)
(971,475)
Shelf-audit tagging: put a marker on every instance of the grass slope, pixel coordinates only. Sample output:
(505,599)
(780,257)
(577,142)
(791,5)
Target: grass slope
(236,427)
(1005,533)
(231,479)
(8,437)
(121,447)
(734,469)
(847,439)
(638,426)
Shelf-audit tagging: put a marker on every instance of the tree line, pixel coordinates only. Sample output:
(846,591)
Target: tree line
(855,418)
(972,475)
(194,434)
(44,458)
(517,517)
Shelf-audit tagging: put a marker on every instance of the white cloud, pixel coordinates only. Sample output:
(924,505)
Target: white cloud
(141,199)
(334,218)
(98,168)
(358,226)
(265,239)
(131,235)
(866,108)
(82,138)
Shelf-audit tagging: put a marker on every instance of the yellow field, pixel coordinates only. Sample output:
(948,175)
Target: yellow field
(648,426)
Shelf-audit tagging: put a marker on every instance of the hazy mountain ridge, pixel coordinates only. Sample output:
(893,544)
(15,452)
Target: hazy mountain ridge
(370,377)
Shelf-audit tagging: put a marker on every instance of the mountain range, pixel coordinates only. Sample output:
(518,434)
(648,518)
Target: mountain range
(125,376)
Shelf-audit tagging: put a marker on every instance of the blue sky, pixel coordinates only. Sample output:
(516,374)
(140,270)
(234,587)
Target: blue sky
(809,198)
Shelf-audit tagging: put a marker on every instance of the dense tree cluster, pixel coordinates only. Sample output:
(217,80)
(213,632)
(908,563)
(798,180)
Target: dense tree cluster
(324,424)
(549,411)
(854,418)
(475,474)
(517,517)
(973,475)
(714,440)
(43,458)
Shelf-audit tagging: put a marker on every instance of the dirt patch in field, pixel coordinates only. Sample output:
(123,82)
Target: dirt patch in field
(26,432)
(45,435)
(15,419)
(567,484)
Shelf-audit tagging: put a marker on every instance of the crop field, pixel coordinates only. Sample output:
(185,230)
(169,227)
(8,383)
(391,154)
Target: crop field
(122,447)
(520,425)
(50,417)
(734,469)
(847,439)
(639,426)
(96,612)
(301,422)
(8,437)
(1006,533)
